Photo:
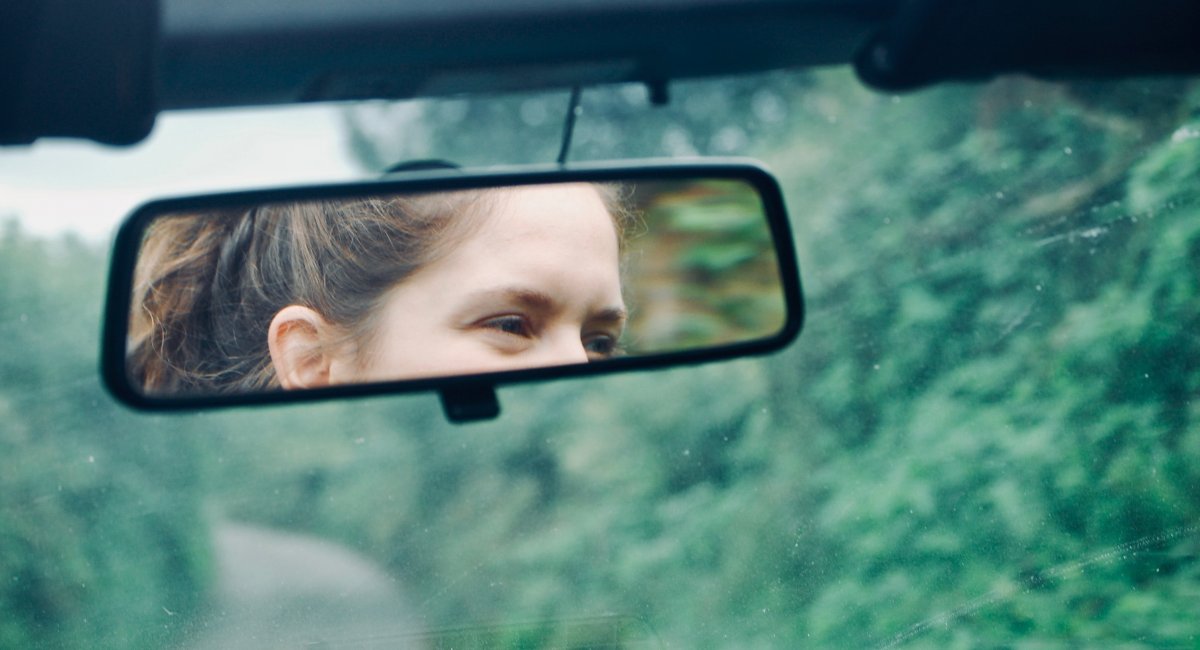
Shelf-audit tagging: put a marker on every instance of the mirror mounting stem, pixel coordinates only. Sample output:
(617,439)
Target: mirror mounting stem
(470,403)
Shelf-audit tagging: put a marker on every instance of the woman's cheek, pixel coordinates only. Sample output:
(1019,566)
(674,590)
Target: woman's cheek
(502,343)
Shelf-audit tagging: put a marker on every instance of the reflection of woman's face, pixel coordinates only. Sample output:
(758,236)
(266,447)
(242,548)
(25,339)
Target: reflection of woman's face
(537,283)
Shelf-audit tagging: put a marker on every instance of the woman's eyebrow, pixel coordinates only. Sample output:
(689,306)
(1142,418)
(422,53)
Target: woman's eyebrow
(614,315)
(501,297)
(526,297)
(538,300)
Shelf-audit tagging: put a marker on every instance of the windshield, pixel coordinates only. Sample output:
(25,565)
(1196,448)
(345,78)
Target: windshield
(986,435)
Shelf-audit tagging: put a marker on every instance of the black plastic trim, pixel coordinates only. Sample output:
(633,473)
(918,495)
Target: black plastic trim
(933,41)
(260,52)
(78,69)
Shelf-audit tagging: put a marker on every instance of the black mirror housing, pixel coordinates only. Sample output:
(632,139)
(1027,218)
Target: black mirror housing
(642,265)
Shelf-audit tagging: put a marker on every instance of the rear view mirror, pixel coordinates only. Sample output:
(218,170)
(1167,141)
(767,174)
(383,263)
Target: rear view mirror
(449,281)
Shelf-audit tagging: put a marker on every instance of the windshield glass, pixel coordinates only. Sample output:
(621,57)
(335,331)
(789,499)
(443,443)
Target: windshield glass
(986,435)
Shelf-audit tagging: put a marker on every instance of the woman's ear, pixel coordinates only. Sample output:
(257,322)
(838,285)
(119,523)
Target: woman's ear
(298,339)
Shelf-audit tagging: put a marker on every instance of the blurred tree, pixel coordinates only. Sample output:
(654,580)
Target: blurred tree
(101,535)
(986,435)
(998,346)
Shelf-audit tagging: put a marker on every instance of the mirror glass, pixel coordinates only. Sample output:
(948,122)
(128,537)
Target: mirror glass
(242,298)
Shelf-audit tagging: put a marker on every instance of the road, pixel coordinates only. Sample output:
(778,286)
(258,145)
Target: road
(277,589)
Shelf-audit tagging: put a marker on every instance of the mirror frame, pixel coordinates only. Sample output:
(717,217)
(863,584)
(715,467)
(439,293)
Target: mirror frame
(465,397)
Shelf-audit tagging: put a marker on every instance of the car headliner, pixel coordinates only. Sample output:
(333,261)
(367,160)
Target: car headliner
(103,70)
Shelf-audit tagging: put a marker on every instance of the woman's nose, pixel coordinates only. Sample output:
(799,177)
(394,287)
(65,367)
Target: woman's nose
(564,348)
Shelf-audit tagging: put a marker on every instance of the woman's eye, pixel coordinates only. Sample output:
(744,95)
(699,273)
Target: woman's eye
(601,346)
(509,324)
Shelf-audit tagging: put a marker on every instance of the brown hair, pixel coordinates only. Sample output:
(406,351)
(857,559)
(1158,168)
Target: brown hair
(207,286)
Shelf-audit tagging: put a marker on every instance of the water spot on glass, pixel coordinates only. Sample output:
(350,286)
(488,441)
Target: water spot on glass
(1067,150)
(768,107)
(1037,287)
(876,366)
(677,142)
(534,112)
(887,221)
(999,195)
(91,459)
(729,139)
(1185,133)
(687,452)
(633,94)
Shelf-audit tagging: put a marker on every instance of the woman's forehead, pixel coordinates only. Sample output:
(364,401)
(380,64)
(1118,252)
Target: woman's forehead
(556,238)
(561,211)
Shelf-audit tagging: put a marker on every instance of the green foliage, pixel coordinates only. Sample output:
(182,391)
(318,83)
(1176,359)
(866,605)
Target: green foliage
(1038,424)
(702,269)
(613,123)
(100,527)
(986,436)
